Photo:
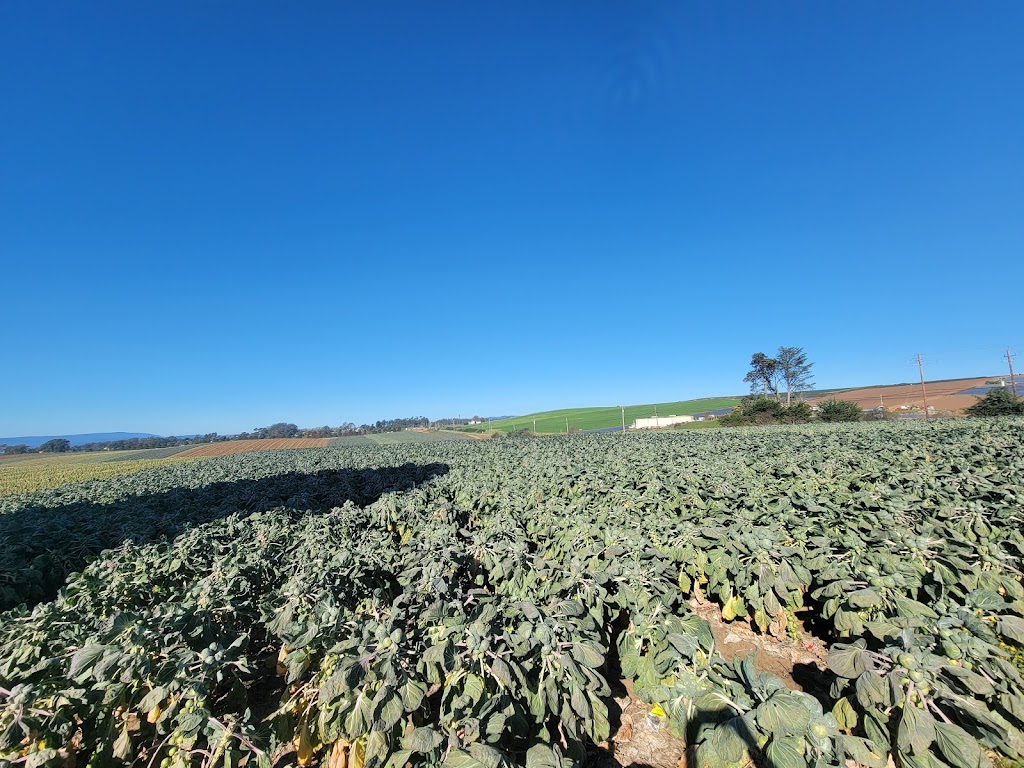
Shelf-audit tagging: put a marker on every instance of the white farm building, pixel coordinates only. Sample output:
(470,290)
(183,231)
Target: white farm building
(658,422)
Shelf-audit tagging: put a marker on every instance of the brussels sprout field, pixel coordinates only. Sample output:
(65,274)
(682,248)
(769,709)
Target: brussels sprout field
(474,603)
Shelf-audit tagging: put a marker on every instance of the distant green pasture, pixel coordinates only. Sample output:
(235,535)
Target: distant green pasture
(603,417)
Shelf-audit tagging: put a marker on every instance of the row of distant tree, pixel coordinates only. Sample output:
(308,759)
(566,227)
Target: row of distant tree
(458,422)
(50,446)
(758,409)
(789,370)
(274,431)
(283,429)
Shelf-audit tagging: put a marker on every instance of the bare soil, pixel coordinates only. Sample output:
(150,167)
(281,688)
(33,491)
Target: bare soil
(640,740)
(245,446)
(798,661)
(942,396)
(643,741)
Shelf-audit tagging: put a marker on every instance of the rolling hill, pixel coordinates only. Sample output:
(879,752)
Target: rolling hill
(602,417)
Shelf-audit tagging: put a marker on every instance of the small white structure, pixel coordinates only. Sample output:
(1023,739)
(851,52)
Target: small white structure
(658,422)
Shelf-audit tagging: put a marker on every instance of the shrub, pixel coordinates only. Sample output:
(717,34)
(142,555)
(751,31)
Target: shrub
(1000,401)
(766,410)
(839,410)
(797,413)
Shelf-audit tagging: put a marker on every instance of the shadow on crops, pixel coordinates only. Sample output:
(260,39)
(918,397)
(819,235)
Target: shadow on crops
(41,545)
(816,682)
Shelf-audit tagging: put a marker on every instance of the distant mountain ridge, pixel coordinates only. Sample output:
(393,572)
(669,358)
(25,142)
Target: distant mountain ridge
(34,441)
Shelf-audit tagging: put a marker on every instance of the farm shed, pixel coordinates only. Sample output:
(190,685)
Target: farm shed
(660,421)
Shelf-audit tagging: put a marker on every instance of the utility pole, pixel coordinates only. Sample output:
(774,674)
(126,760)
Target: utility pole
(535,426)
(623,409)
(567,425)
(924,393)
(1009,361)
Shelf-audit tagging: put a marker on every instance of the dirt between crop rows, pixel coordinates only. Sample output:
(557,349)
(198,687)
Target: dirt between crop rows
(644,741)
(942,396)
(245,446)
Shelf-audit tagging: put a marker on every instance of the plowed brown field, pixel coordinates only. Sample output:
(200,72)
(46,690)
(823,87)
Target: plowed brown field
(941,395)
(245,446)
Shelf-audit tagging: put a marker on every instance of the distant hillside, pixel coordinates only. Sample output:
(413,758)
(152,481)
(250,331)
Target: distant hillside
(34,441)
(583,419)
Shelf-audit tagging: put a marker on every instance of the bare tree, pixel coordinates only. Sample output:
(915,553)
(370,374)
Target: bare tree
(763,375)
(794,370)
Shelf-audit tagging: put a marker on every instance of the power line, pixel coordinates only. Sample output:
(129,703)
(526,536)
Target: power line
(1009,361)
(924,393)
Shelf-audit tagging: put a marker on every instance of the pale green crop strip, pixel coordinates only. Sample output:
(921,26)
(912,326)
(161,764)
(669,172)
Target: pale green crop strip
(43,473)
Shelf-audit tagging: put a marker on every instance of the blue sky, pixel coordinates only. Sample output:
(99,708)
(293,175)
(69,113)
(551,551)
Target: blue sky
(215,216)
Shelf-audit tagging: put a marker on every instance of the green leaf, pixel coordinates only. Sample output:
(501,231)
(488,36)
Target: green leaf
(84,658)
(359,717)
(473,687)
(588,653)
(376,747)
(882,630)
(847,661)
(423,739)
(529,610)
(845,714)
(542,756)
(412,693)
(910,760)
(784,753)
(154,697)
(579,702)
(865,598)
(848,621)
(487,755)
(876,729)
(399,759)
(783,715)
(912,609)
(1011,627)
(916,730)
(495,726)
(572,608)
(461,758)
(958,747)
(501,673)
(707,756)
(390,710)
(862,752)
(943,574)
(190,722)
(598,725)
(296,665)
(985,599)
(971,680)
(872,690)
(727,740)
(123,746)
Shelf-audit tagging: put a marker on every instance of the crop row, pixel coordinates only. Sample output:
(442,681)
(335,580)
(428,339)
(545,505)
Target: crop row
(474,603)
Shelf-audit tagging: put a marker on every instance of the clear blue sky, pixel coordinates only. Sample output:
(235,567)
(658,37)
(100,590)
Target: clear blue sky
(215,216)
